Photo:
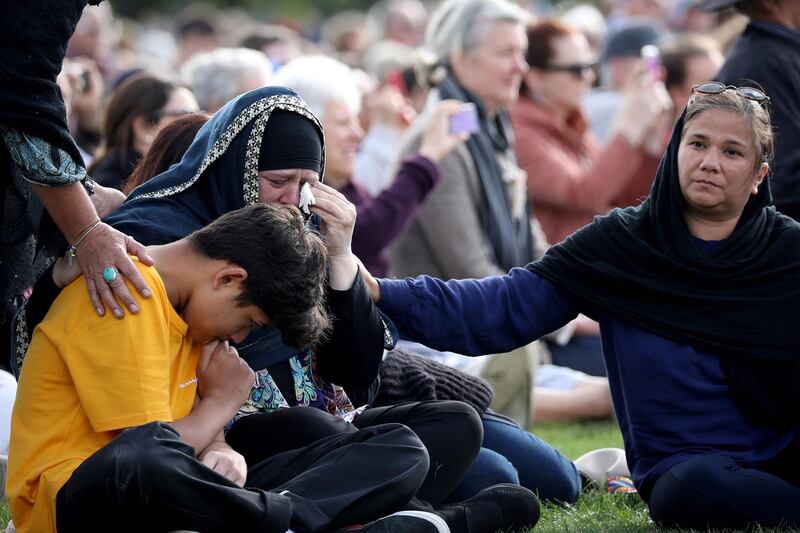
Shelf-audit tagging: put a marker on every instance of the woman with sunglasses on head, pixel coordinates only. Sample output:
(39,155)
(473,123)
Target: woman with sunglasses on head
(696,291)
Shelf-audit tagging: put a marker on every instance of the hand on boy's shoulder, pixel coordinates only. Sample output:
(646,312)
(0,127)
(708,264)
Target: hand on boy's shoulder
(73,306)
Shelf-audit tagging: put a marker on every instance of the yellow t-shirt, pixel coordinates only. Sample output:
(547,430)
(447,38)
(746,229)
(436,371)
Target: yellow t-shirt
(85,378)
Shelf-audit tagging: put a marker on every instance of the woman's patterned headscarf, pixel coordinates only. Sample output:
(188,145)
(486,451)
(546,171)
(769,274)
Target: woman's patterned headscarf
(218,173)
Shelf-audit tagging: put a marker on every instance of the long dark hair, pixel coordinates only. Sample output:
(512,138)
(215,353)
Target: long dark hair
(143,94)
(168,148)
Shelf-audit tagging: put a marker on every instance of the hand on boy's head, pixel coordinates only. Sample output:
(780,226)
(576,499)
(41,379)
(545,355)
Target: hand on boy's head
(223,376)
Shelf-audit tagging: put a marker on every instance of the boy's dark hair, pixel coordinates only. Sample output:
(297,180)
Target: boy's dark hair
(286,265)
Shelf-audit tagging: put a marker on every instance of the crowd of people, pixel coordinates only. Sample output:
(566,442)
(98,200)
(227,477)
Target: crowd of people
(258,281)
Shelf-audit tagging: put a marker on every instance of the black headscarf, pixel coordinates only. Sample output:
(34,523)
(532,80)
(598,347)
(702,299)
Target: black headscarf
(741,301)
(510,239)
(294,142)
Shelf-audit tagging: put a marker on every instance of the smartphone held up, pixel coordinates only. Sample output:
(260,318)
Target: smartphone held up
(652,61)
(465,120)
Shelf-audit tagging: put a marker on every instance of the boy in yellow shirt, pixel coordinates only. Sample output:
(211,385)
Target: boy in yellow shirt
(118,424)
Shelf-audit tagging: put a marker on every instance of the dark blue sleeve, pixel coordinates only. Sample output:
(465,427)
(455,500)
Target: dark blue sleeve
(476,316)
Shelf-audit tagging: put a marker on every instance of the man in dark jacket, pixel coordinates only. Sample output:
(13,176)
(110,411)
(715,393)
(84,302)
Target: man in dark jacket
(768,52)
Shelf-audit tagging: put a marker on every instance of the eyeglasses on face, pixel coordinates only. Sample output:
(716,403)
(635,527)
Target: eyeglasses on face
(716,87)
(576,69)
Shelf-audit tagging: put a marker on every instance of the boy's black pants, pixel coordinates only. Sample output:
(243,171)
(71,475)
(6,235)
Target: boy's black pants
(452,432)
(148,479)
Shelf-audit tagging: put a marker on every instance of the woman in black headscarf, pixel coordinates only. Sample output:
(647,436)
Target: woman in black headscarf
(696,292)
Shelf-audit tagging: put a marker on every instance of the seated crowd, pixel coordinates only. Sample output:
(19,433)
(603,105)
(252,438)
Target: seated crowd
(286,287)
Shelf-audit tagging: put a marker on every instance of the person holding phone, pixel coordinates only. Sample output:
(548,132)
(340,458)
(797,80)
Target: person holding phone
(571,178)
(383,217)
(696,292)
(477,222)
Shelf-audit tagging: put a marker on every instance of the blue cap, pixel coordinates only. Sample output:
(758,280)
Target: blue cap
(628,41)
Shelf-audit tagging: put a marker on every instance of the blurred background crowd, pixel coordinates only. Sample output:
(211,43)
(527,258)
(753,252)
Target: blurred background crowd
(205,54)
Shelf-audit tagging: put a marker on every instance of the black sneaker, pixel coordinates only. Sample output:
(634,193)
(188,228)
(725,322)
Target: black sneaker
(407,522)
(502,507)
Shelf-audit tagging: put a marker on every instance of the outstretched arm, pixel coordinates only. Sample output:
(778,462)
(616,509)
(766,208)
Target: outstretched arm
(475,316)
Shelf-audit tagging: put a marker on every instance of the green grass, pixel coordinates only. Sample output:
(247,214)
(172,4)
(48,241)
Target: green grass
(4,515)
(575,439)
(596,511)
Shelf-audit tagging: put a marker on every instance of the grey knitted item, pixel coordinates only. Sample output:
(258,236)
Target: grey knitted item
(407,377)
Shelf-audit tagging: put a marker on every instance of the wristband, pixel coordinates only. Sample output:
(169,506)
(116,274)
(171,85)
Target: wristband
(73,248)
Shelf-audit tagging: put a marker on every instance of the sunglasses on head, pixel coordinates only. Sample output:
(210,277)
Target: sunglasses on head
(716,87)
(576,69)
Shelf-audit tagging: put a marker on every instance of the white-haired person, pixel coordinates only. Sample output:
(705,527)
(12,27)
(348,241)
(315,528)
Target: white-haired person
(477,222)
(337,103)
(221,75)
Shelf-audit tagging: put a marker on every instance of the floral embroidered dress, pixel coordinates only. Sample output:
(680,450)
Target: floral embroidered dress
(309,389)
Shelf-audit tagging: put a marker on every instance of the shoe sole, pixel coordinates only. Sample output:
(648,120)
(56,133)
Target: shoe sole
(436,520)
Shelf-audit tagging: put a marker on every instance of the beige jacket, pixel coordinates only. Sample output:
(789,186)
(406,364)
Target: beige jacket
(446,240)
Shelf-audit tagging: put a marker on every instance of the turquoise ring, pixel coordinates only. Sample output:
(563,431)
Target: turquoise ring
(109,274)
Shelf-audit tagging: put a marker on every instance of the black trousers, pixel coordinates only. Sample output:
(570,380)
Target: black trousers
(451,431)
(712,491)
(148,479)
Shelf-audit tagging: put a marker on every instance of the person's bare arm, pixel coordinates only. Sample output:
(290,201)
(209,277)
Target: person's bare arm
(223,384)
(69,206)
(223,459)
(338,217)
(371,283)
(100,246)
